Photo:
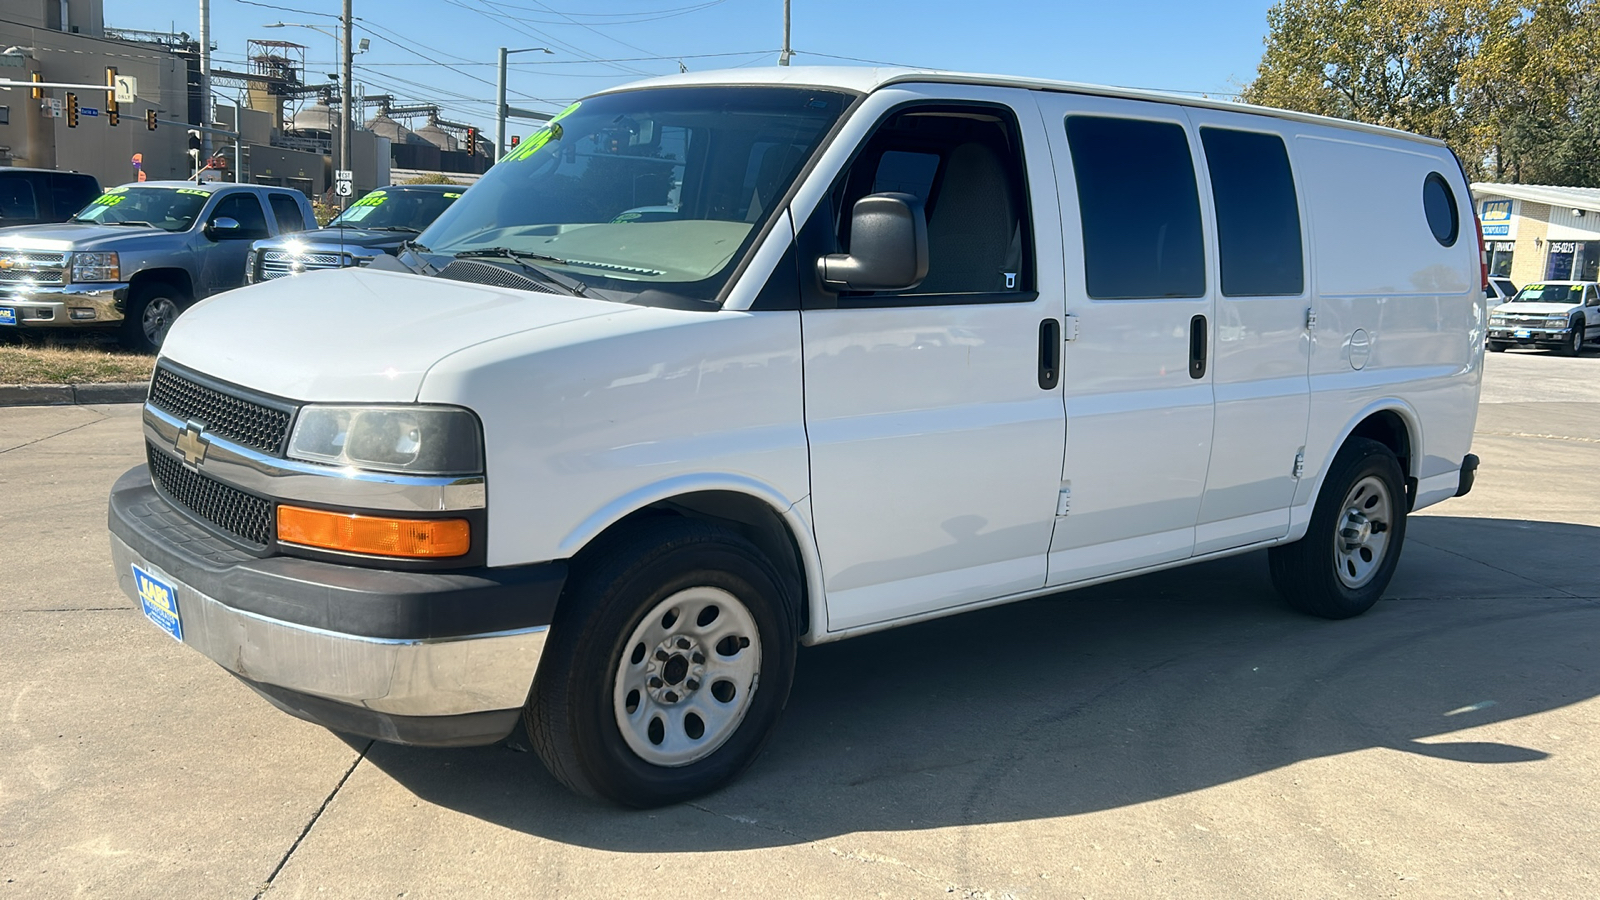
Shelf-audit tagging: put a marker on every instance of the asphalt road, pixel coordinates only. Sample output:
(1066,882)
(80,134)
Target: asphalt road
(1177,735)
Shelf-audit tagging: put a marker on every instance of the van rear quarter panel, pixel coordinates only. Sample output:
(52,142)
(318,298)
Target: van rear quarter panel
(588,421)
(1379,272)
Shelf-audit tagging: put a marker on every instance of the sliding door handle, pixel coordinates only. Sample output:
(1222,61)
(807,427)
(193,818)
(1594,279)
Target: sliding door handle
(1049,354)
(1198,337)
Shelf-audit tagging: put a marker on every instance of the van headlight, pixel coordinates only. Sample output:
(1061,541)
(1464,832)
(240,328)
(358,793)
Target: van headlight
(415,440)
(92,267)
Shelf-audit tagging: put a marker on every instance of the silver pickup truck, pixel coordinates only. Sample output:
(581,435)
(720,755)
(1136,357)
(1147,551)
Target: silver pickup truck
(138,255)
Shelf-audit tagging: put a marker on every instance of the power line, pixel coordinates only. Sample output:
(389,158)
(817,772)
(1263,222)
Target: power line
(536,34)
(581,62)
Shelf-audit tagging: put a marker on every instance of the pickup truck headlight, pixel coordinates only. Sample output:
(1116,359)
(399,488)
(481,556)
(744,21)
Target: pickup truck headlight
(250,262)
(1556,322)
(414,440)
(90,267)
(1497,320)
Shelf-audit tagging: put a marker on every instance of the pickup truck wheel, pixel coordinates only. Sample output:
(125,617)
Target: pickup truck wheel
(1574,345)
(1344,563)
(667,667)
(1498,346)
(151,311)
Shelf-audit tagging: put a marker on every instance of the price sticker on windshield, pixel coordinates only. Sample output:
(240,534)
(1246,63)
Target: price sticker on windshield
(109,199)
(551,131)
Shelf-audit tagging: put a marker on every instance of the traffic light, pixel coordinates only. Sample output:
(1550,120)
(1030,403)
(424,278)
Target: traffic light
(472,141)
(150,119)
(113,114)
(72,110)
(516,139)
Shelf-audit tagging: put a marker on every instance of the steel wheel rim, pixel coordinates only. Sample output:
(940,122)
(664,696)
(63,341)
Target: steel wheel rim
(678,678)
(1361,540)
(1577,339)
(159,315)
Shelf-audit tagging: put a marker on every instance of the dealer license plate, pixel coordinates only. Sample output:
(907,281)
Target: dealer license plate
(1522,334)
(8,316)
(160,602)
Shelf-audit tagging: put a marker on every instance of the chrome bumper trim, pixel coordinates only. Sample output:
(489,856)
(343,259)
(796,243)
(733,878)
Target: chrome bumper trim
(105,299)
(292,480)
(439,677)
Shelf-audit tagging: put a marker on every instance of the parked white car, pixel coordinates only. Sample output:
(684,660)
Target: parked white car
(890,345)
(1562,315)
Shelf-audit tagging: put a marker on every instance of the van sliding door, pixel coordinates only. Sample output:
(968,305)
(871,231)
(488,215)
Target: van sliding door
(1137,373)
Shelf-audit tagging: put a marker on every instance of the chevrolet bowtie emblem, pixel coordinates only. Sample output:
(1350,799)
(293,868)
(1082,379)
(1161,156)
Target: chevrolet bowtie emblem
(192,443)
(7,263)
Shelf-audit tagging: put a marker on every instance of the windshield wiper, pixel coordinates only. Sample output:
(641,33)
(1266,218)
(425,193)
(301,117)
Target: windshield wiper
(530,261)
(394,228)
(138,222)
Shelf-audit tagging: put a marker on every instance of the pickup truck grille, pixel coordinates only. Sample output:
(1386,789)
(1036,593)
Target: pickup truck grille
(279,263)
(32,267)
(242,515)
(244,421)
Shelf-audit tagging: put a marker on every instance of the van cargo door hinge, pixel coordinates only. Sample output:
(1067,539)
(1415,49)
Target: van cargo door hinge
(1064,501)
(1311,319)
(1300,463)
(1069,331)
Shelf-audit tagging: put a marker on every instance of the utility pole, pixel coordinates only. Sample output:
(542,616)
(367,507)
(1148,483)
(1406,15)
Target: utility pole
(205,76)
(500,109)
(783,57)
(344,102)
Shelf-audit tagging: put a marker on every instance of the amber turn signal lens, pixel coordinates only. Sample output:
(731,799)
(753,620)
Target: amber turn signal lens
(378,535)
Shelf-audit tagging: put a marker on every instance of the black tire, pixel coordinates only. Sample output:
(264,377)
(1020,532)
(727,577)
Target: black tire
(1307,572)
(1498,346)
(572,713)
(150,312)
(1574,344)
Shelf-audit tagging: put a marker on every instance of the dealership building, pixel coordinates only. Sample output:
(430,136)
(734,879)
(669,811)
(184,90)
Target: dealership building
(1536,232)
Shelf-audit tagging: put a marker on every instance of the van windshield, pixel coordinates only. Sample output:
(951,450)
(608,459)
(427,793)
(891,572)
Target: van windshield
(649,195)
(1550,293)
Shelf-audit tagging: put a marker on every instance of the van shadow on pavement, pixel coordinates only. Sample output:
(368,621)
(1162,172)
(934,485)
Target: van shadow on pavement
(1111,696)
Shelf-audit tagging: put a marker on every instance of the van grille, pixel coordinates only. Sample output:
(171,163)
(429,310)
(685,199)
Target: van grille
(244,516)
(32,267)
(225,415)
(279,263)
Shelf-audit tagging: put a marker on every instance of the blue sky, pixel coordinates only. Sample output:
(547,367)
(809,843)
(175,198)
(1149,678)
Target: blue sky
(1164,44)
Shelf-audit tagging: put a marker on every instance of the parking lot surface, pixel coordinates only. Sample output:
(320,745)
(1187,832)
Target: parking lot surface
(1176,735)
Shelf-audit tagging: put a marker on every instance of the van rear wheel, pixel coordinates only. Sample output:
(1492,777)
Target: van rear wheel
(1344,563)
(667,667)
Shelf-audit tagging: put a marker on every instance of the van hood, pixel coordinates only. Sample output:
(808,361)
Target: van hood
(1533,308)
(356,335)
(84,236)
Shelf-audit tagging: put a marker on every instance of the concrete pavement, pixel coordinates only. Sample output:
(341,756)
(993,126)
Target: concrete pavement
(1177,735)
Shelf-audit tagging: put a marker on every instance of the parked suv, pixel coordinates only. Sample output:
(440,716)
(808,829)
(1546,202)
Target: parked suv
(379,223)
(138,255)
(35,196)
(1563,315)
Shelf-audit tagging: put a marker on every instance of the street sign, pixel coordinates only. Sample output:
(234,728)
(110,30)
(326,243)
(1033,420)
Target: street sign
(52,107)
(126,87)
(343,175)
(343,188)
(88,111)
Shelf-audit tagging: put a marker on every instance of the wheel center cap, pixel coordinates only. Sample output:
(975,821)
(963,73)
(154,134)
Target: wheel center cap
(675,670)
(1357,529)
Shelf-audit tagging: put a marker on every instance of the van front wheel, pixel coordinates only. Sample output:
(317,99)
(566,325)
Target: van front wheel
(667,666)
(1344,563)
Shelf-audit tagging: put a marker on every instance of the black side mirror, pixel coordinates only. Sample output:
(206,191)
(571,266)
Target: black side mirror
(888,247)
(222,228)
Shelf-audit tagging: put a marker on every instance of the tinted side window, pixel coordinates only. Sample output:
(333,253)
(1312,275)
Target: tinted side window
(17,202)
(247,210)
(287,211)
(1140,208)
(1258,216)
(70,193)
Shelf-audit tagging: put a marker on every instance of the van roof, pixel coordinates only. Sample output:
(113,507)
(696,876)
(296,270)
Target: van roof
(865,79)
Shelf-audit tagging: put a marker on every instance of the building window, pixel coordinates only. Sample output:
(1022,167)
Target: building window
(1572,261)
(1500,258)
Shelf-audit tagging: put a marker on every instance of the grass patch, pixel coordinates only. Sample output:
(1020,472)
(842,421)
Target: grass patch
(81,362)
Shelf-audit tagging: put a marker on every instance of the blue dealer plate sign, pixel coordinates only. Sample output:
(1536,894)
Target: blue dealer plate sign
(8,316)
(160,602)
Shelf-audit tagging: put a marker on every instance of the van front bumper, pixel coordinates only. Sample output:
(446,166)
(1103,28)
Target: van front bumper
(65,306)
(425,658)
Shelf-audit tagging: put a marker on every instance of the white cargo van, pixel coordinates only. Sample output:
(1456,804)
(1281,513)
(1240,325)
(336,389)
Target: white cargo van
(719,364)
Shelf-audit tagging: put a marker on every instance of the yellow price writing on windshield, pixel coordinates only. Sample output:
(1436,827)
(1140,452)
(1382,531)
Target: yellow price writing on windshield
(109,199)
(550,131)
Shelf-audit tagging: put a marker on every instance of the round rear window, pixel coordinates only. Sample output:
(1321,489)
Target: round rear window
(1439,204)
